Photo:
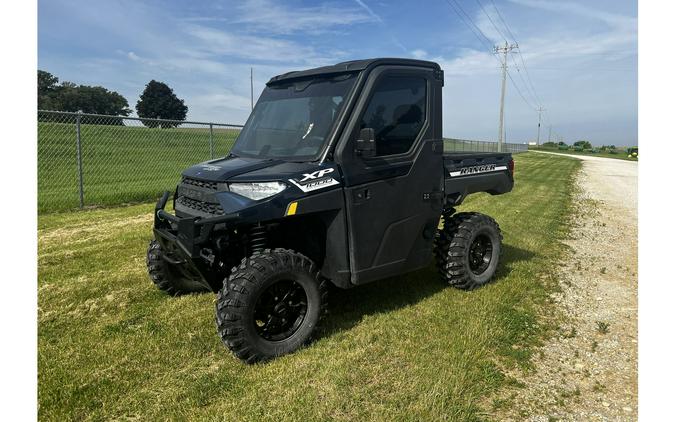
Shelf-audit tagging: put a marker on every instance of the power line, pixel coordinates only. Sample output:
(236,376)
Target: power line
(520,93)
(490,19)
(527,73)
(540,109)
(461,13)
(466,19)
(503,21)
(459,6)
(527,87)
(547,119)
(580,69)
(454,9)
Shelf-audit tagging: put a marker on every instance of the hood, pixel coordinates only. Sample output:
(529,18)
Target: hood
(226,168)
(242,169)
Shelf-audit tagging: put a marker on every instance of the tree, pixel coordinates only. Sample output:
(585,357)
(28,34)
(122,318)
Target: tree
(69,96)
(159,102)
(550,144)
(47,87)
(93,99)
(583,145)
(46,82)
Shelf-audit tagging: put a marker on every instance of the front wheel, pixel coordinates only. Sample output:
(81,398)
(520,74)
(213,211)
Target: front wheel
(270,305)
(467,249)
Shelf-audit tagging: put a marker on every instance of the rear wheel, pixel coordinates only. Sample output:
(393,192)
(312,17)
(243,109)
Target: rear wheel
(166,276)
(467,249)
(270,305)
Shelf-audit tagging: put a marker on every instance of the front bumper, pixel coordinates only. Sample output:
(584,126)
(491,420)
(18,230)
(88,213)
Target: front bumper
(188,234)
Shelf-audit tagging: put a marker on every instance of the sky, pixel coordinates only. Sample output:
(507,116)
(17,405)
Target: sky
(577,60)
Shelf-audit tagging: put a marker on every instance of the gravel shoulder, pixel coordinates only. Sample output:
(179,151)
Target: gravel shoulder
(588,370)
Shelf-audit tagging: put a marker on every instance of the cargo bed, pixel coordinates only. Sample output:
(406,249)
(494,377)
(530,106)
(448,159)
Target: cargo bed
(467,173)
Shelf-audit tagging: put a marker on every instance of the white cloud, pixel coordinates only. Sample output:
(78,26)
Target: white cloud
(581,10)
(221,42)
(370,12)
(225,99)
(211,44)
(419,54)
(275,17)
(468,62)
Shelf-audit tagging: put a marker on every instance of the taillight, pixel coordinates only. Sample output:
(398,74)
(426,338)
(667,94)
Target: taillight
(512,167)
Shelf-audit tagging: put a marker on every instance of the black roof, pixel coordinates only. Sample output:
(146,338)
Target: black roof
(347,67)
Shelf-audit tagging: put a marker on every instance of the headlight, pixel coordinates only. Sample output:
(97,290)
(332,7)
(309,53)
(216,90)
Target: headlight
(257,190)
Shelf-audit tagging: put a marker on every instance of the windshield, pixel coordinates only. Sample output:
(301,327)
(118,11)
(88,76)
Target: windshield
(293,121)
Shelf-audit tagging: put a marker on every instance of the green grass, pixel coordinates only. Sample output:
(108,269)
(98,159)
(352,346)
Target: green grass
(111,346)
(120,164)
(620,155)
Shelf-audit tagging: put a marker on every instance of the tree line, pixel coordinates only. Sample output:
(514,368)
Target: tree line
(581,146)
(157,101)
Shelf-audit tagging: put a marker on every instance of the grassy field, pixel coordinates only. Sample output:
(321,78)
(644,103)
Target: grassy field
(142,160)
(620,155)
(111,346)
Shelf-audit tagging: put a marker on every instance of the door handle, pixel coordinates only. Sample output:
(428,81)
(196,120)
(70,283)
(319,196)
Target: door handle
(361,195)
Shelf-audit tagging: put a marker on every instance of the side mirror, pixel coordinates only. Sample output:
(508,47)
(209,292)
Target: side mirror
(365,144)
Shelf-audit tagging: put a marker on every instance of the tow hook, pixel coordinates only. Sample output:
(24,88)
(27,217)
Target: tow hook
(208,255)
(172,260)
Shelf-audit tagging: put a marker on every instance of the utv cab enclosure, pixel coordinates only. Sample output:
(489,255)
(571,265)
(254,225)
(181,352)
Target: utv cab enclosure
(338,176)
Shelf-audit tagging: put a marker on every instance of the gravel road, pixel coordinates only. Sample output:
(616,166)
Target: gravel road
(588,371)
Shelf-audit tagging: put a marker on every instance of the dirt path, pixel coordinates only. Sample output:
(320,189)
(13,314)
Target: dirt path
(588,371)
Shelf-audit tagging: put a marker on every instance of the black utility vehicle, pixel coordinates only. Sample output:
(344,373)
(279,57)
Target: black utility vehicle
(339,177)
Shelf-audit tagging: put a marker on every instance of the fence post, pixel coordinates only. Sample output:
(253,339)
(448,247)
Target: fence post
(79,157)
(211,139)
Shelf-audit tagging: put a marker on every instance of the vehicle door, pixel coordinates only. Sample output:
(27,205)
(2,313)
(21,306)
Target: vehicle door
(393,195)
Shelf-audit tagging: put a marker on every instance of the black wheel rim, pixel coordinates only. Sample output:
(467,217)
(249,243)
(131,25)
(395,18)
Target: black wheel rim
(480,254)
(280,310)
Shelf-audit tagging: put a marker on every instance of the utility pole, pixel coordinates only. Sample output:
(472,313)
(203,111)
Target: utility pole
(505,50)
(550,127)
(251,89)
(540,109)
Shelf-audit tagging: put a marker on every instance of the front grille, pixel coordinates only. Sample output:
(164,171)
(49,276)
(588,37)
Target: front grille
(205,207)
(200,183)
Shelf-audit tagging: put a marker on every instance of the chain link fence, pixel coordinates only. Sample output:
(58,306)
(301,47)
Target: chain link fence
(465,145)
(88,160)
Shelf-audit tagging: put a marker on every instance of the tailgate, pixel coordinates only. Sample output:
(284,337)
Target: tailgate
(469,173)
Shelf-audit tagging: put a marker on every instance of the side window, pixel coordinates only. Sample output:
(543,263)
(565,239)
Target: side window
(397,111)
